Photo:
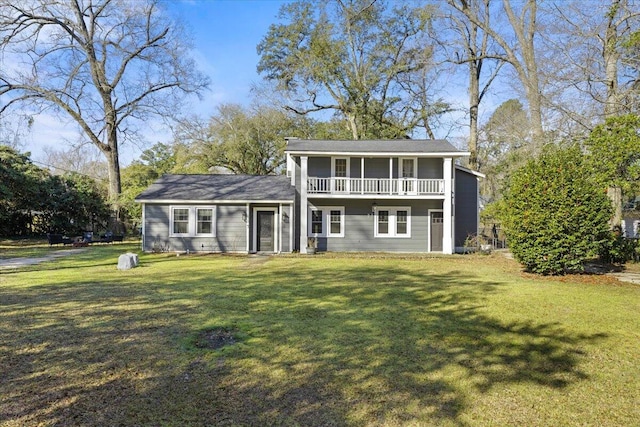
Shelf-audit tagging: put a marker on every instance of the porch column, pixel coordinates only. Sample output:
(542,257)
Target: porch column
(303,203)
(447,204)
(391,174)
(144,225)
(362,175)
(246,225)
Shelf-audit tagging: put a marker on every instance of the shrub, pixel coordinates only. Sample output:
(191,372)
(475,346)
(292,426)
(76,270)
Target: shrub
(555,216)
(617,249)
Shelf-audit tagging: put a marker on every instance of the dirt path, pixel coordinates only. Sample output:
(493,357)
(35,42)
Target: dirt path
(10,263)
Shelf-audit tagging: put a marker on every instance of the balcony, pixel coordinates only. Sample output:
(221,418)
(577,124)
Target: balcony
(375,186)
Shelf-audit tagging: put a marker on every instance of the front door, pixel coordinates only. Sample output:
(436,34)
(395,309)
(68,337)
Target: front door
(437,231)
(265,231)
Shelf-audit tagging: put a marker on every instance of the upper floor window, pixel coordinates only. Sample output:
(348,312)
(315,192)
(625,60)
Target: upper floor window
(393,222)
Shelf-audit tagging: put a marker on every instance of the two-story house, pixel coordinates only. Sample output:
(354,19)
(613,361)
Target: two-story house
(390,196)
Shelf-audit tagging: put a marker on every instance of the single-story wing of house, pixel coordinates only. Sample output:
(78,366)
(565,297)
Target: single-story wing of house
(387,196)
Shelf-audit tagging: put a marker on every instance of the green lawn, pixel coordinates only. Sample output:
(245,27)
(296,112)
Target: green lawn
(325,340)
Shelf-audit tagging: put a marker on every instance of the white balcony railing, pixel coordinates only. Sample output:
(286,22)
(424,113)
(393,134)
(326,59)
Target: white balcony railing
(375,186)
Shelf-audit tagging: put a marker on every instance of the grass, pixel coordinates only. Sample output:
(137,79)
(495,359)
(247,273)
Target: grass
(326,340)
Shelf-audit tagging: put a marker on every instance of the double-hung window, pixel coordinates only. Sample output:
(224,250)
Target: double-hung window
(180,221)
(393,222)
(192,221)
(326,221)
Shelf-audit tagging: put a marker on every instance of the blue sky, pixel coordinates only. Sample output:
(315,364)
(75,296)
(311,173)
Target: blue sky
(225,34)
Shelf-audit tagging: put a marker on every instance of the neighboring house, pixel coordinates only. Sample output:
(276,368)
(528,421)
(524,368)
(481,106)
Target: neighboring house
(388,196)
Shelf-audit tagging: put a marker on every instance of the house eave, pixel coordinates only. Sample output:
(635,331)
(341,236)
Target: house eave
(471,171)
(380,154)
(213,201)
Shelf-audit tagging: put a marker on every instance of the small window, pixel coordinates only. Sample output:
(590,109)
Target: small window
(401,222)
(335,222)
(316,222)
(180,221)
(383,222)
(205,221)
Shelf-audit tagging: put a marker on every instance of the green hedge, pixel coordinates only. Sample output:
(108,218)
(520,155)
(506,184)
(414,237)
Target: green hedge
(555,215)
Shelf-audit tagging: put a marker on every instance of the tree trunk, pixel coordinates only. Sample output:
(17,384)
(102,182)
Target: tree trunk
(615,195)
(474,101)
(527,69)
(115,186)
(611,56)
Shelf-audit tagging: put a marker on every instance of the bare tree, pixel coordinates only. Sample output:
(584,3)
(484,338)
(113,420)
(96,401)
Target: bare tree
(595,66)
(472,48)
(520,52)
(107,64)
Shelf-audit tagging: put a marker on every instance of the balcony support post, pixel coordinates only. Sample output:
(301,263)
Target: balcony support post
(447,206)
(304,175)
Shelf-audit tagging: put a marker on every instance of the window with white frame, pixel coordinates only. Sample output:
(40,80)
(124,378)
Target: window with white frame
(204,221)
(326,221)
(392,222)
(180,221)
(193,221)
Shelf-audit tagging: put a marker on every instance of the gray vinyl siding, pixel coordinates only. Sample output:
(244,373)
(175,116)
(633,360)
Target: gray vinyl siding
(359,226)
(355,167)
(230,231)
(430,168)
(319,167)
(376,167)
(466,208)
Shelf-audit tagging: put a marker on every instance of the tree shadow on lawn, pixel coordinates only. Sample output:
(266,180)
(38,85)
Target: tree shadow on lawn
(348,346)
(387,347)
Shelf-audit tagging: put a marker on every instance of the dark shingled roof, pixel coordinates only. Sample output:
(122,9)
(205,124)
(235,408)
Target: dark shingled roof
(424,146)
(219,187)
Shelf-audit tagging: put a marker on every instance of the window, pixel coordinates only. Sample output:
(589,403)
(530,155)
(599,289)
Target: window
(326,221)
(205,221)
(393,222)
(335,224)
(383,222)
(180,221)
(401,223)
(316,222)
(192,221)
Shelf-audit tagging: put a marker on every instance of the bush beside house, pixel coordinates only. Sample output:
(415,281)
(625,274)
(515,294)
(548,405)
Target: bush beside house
(555,215)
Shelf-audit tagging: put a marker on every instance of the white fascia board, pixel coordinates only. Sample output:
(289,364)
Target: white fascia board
(471,171)
(378,154)
(216,202)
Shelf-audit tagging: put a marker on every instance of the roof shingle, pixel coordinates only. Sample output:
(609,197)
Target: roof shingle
(415,146)
(209,188)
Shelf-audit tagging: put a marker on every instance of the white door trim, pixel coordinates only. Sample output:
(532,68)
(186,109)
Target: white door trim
(276,227)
